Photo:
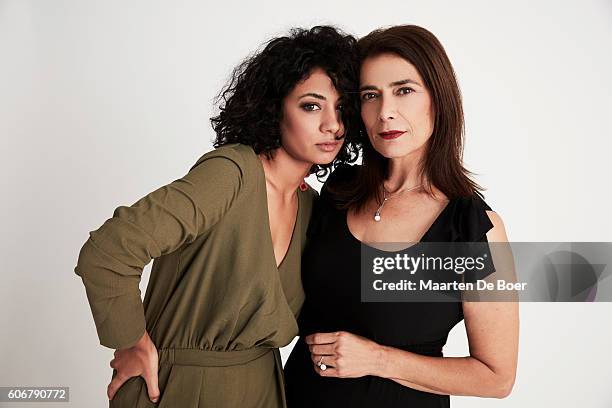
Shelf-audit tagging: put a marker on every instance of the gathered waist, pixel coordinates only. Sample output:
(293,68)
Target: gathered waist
(211,358)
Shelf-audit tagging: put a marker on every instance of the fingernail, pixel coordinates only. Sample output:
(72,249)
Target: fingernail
(154,400)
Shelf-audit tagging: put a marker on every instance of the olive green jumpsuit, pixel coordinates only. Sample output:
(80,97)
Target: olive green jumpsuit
(217,307)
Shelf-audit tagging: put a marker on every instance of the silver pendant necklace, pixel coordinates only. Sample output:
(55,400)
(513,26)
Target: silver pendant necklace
(377,216)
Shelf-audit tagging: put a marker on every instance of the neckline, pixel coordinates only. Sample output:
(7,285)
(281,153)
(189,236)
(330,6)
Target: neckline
(262,173)
(427,232)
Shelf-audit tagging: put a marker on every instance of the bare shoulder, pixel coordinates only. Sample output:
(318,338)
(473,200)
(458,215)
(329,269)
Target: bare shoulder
(498,232)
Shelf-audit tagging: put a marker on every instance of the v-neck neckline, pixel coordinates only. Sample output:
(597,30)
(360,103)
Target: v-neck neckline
(267,218)
(424,236)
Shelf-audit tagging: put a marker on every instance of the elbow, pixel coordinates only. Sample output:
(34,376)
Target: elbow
(503,387)
(495,385)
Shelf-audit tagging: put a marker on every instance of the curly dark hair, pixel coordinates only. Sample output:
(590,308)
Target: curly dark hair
(250,105)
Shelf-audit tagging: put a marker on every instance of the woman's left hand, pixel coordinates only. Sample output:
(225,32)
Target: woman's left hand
(344,354)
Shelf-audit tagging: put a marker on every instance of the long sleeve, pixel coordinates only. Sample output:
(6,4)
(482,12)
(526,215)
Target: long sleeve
(111,261)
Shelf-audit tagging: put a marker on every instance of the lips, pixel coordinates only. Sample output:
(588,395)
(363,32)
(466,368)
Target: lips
(328,146)
(391,134)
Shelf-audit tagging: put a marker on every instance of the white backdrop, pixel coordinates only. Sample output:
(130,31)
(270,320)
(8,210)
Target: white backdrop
(103,102)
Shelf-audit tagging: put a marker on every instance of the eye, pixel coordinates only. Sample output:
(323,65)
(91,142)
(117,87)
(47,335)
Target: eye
(405,91)
(340,107)
(366,96)
(310,107)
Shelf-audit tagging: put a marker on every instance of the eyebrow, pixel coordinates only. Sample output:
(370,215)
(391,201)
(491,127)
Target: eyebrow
(314,95)
(394,83)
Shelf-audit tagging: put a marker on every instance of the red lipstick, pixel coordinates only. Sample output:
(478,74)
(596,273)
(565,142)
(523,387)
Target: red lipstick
(391,134)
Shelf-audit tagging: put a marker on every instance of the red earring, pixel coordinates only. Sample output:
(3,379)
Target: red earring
(303,186)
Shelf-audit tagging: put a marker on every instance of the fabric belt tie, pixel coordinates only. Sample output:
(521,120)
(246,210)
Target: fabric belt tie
(211,358)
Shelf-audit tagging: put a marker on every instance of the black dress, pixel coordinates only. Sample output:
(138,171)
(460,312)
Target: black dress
(331,279)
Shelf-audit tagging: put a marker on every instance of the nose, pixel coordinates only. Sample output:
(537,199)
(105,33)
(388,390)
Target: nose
(332,123)
(388,110)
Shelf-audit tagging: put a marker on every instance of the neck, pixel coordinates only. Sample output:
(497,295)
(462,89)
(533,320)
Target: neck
(283,172)
(404,172)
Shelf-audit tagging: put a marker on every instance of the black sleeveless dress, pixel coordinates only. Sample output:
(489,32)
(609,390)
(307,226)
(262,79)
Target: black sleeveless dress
(331,279)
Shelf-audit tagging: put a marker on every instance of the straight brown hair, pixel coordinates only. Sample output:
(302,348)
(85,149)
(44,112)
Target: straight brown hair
(443,161)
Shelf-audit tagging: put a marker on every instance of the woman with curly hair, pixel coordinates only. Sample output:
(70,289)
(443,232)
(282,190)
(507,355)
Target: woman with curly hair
(227,237)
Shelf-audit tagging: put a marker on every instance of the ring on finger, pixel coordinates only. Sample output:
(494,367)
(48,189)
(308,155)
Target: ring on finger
(320,364)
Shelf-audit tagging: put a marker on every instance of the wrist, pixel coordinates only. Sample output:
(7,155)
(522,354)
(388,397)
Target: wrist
(382,361)
(144,343)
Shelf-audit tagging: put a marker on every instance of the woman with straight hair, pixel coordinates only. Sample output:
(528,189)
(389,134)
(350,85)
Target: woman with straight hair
(227,237)
(412,187)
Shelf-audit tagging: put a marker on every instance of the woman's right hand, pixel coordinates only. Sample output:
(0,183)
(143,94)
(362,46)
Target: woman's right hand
(138,360)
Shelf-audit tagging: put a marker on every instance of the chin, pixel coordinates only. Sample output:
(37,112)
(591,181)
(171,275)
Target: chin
(391,152)
(395,150)
(325,158)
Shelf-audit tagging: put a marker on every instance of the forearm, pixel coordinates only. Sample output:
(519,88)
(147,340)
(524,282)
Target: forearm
(442,375)
(114,296)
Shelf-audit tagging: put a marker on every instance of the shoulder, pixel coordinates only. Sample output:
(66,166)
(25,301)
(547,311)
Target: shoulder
(242,156)
(232,166)
(473,218)
(496,230)
(474,202)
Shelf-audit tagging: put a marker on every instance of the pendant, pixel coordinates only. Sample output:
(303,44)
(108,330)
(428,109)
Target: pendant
(377,213)
(323,367)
